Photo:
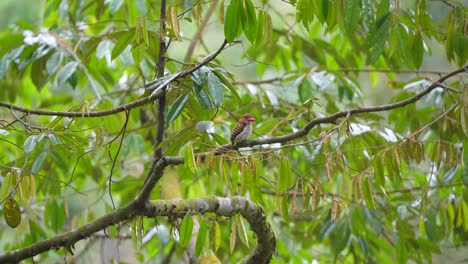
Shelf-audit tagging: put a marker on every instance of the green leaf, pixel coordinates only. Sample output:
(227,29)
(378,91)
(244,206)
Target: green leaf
(417,50)
(242,232)
(379,176)
(260,28)
(54,139)
(203,98)
(38,162)
(189,159)
(249,20)
(176,108)
(377,37)
(234,178)
(285,176)
(30,143)
(352,12)
(402,251)
(66,72)
(367,191)
(344,233)
(215,236)
(305,89)
(232,23)
(4,64)
(122,43)
(403,44)
(220,73)
(53,63)
(38,73)
(141,7)
(201,238)
(115,5)
(54,215)
(185,231)
(464,205)
(430,226)
(215,88)
(137,54)
(174,21)
(368,13)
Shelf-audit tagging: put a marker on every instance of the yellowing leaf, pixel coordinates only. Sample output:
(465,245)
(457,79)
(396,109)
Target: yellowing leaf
(11,212)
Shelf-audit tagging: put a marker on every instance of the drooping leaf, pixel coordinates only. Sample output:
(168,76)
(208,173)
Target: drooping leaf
(38,73)
(185,231)
(249,20)
(53,63)
(66,72)
(30,143)
(417,50)
(232,23)
(114,5)
(215,88)
(176,108)
(352,13)
(378,36)
(215,236)
(11,212)
(368,13)
(203,99)
(122,43)
(201,238)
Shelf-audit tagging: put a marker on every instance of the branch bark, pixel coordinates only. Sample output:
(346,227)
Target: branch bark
(154,85)
(330,119)
(178,208)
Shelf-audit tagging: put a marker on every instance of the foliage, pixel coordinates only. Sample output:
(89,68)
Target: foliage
(376,184)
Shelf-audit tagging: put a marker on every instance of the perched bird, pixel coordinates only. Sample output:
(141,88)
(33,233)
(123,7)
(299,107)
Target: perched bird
(242,130)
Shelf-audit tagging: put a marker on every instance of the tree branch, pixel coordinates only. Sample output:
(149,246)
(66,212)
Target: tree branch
(177,208)
(155,85)
(326,120)
(160,73)
(224,207)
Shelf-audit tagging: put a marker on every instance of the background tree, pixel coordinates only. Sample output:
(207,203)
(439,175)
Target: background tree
(116,118)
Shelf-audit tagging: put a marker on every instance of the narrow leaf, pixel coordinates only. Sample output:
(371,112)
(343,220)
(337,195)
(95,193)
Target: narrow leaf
(30,143)
(53,63)
(185,230)
(115,5)
(66,72)
(417,50)
(176,108)
(201,238)
(215,88)
(232,23)
(216,236)
(352,13)
(122,43)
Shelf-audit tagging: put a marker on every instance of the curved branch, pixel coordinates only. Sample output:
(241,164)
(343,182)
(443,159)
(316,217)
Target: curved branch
(155,85)
(178,208)
(224,207)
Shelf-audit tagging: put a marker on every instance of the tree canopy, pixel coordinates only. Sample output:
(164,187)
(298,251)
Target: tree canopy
(116,116)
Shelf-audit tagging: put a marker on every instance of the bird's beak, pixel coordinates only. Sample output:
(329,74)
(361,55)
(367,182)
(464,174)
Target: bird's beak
(251,119)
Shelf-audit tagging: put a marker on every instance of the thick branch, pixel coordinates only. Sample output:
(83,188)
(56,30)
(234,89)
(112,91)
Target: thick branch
(178,208)
(224,207)
(69,239)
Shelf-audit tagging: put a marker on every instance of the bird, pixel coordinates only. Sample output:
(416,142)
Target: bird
(242,130)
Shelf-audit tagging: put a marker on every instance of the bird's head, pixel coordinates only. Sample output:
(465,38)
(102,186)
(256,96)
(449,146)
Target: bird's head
(248,117)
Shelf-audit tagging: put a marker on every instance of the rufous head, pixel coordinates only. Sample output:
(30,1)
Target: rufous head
(248,117)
